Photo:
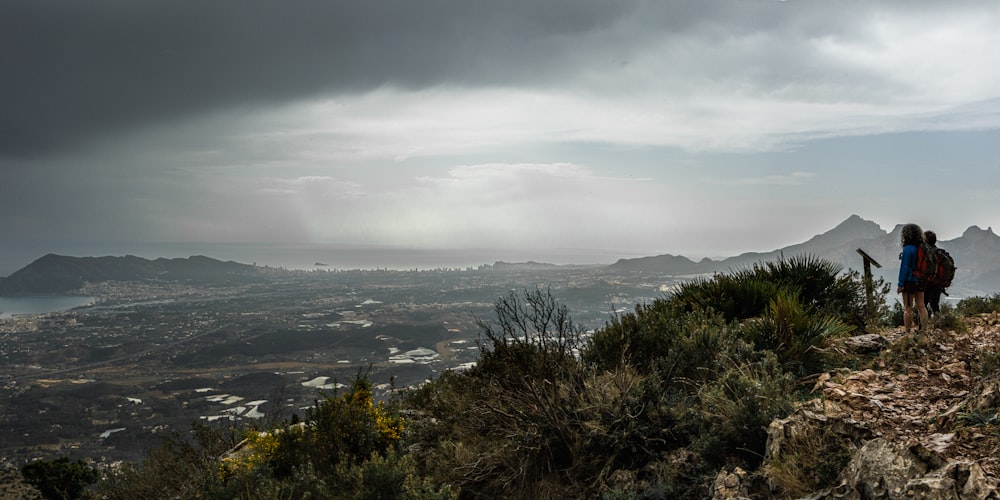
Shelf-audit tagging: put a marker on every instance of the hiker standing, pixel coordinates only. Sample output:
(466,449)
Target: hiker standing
(909,285)
(932,290)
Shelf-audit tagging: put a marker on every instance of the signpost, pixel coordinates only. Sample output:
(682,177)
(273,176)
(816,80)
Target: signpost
(869,293)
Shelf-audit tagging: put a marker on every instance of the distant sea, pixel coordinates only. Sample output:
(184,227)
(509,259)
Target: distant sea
(307,256)
(10,306)
(401,259)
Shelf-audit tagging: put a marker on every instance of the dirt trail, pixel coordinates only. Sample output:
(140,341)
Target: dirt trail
(921,390)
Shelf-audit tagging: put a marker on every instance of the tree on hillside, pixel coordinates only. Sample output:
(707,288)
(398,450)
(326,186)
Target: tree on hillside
(60,478)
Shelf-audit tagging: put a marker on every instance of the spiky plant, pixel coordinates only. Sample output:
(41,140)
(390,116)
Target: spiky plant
(796,335)
(737,296)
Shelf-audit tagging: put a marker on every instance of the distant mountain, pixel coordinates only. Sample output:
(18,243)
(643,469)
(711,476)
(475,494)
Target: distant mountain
(834,245)
(673,264)
(56,274)
(976,253)
(524,266)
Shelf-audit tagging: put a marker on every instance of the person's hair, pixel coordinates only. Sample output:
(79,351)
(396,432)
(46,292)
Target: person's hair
(930,237)
(911,235)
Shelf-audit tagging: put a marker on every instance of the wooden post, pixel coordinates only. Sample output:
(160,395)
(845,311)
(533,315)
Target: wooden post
(869,293)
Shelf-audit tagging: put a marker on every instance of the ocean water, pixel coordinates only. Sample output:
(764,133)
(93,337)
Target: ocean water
(399,259)
(10,306)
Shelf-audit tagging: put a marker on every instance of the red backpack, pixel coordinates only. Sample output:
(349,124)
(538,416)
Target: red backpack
(925,268)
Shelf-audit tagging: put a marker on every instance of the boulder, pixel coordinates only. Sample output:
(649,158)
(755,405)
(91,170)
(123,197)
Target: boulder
(731,485)
(867,343)
(985,395)
(882,469)
(958,480)
(885,470)
(813,418)
(797,445)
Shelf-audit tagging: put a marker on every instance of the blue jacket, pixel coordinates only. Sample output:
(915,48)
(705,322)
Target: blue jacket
(907,261)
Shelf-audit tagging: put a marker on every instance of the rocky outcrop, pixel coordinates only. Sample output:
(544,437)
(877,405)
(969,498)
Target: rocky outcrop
(883,469)
(921,423)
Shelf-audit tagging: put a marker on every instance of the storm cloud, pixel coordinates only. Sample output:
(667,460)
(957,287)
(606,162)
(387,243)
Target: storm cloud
(78,70)
(82,70)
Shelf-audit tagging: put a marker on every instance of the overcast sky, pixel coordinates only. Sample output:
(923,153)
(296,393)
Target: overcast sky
(632,127)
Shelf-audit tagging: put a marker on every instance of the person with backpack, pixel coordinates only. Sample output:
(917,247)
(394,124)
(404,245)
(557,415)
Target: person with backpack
(909,283)
(932,289)
(942,275)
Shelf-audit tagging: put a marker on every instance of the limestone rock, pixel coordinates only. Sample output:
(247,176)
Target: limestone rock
(867,343)
(959,480)
(985,395)
(812,418)
(730,485)
(887,470)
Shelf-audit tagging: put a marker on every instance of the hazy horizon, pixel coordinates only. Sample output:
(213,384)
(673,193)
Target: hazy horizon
(350,256)
(333,255)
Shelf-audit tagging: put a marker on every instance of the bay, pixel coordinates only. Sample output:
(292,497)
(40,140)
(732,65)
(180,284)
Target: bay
(11,306)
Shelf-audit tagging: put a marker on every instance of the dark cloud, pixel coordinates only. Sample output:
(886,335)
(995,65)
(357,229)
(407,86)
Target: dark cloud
(75,70)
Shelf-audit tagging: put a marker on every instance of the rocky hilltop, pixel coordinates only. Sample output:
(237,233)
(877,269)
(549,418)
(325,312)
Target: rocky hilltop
(976,253)
(58,274)
(922,423)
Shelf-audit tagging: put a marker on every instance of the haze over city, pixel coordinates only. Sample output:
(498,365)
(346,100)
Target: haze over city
(573,128)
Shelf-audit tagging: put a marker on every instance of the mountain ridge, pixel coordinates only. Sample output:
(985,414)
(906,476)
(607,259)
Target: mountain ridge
(976,253)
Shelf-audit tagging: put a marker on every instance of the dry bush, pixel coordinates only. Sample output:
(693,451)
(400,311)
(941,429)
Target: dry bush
(808,461)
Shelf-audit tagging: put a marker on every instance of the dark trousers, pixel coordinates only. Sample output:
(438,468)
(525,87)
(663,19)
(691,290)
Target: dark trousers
(932,296)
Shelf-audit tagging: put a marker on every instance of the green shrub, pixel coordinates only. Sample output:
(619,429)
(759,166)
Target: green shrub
(821,285)
(729,415)
(564,437)
(327,455)
(659,336)
(386,476)
(182,466)
(972,306)
(531,420)
(988,364)
(652,383)
(978,418)
(948,319)
(348,428)
(59,478)
(895,317)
